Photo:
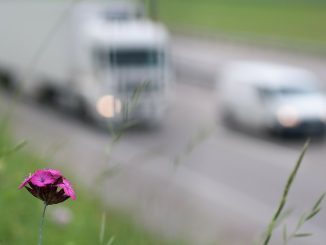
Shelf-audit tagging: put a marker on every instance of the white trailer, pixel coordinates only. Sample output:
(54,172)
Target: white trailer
(89,55)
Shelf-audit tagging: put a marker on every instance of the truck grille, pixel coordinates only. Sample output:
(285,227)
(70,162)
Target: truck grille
(131,87)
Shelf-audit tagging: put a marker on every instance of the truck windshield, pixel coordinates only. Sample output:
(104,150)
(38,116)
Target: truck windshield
(130,57)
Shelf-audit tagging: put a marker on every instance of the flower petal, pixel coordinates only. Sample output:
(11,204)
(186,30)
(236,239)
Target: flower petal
(27,179)
(42,178)
(67,188)
(54,172)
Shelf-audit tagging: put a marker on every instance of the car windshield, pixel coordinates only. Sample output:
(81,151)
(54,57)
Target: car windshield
(287,91)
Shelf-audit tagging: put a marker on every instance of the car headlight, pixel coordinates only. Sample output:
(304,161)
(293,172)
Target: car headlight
(108,106)
(287,116)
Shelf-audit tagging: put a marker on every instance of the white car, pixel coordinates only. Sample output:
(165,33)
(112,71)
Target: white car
(272,97)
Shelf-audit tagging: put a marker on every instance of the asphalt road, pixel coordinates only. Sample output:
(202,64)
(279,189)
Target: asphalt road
(225,187)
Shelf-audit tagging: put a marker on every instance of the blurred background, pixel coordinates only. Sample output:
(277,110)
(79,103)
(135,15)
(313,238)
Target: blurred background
(183,117)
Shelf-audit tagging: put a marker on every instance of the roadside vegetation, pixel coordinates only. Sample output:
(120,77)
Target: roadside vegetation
(295,22)
(77,222)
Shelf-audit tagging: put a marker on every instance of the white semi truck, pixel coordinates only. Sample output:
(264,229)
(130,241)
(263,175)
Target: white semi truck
(88,55)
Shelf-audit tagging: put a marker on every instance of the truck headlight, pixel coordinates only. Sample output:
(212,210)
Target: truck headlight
(287,116)
(108,106)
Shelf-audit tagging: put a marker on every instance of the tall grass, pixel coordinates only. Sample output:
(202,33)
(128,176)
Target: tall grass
(280,213)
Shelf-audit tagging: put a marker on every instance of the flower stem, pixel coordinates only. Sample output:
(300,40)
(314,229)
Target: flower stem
(40,233)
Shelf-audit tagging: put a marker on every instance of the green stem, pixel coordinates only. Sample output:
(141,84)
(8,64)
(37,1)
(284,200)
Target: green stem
(40,233)
(286,190)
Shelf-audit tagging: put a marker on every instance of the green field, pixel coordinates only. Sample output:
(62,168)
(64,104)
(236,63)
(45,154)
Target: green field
(301,22)
(20,212)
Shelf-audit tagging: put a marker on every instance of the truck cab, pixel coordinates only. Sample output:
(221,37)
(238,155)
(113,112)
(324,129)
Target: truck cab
(126,71)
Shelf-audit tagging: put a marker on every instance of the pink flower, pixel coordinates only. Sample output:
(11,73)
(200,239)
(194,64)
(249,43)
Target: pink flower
(42,178)
(67,188)
(49,185)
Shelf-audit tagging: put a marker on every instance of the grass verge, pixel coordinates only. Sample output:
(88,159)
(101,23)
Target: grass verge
(20,212)
(293,22)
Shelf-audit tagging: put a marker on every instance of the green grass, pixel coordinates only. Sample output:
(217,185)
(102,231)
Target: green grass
(20,212)
(288,20)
